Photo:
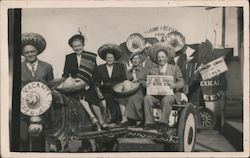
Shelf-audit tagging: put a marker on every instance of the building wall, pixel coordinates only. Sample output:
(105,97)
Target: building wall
(114,25)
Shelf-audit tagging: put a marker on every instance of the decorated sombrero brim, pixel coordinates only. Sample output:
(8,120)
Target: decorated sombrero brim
(176,40)
(110,48)
(161,46)
(126,88)
(34,39)
(135,43)
(36,98)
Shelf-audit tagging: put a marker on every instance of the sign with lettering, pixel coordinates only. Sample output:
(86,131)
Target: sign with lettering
(213,68)
(36,98)
(211,88)
(159,85)
(160,32)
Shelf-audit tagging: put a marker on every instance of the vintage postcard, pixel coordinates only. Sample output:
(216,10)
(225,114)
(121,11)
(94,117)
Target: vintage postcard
(124,78)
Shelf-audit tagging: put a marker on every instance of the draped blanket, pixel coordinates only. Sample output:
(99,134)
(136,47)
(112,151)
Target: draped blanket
(65,118)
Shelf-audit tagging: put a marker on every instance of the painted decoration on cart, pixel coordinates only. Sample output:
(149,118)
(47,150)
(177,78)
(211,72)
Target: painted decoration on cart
(36,98)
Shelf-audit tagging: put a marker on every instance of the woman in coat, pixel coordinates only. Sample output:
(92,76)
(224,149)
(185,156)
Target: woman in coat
(106,76)
(138,74)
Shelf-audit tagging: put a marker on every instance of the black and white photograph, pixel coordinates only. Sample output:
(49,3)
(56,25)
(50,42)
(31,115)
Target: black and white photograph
(135,79)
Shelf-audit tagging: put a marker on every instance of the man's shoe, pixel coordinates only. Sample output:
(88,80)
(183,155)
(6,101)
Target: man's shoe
(150,127)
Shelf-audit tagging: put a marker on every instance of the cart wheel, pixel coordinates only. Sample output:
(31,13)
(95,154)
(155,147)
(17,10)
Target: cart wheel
(187,129)
(207,119)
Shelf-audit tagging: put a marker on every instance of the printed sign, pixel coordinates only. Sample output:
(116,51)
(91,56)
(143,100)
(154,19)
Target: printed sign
(36,99)
(160,32)
(213,68)
(159,85)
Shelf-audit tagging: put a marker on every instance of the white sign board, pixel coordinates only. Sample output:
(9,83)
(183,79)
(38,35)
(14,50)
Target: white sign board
(159,85)
(36,99)
(213,68)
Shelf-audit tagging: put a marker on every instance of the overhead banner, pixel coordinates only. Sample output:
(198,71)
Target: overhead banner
(213,68)
(159,85)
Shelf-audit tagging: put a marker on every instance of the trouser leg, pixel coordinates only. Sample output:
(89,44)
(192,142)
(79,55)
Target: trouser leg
(166,103)
(149,103)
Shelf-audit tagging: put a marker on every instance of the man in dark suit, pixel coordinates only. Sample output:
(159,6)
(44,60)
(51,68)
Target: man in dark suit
(33,70)
(162,55)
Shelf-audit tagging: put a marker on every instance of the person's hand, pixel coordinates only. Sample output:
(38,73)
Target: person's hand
(135,80)
(172,85)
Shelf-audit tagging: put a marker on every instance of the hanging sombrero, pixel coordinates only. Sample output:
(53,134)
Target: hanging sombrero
(135,43)
(126,88)
(36,98)
(34,39)
(176,40)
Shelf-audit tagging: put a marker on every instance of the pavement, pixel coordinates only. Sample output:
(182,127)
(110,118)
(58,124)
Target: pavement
(212,141)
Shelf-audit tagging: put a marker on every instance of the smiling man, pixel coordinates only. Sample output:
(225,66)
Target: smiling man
(162,56)
(33,69)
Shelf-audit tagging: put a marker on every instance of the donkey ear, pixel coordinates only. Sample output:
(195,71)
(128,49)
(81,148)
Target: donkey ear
(209,44)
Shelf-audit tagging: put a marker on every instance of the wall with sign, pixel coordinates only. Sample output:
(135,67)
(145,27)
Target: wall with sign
(114,25)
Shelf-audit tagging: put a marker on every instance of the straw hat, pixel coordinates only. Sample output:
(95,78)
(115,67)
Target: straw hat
(110,48)
(161,46)
(36,98)
(126,88)
(176,40)
(135,43)
(34,39)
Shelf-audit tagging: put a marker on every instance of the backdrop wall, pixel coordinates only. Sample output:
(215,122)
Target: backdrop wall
(114,25)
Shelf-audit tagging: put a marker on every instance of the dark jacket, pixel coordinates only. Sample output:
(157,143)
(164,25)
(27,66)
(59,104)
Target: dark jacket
(71,65)
(44,73)
(102,80)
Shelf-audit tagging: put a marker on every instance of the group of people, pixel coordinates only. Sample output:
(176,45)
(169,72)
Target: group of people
(98,100)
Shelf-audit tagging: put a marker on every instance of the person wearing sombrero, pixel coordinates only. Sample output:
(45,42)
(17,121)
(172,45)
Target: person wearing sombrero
(136,43)
(137,73)
(162,55)
(33,69)
(108,75)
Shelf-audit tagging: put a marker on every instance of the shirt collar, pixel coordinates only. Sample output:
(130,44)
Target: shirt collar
(35,64)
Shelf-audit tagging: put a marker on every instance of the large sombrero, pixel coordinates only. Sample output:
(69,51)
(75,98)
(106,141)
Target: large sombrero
(161,46)
(36,98)
(135,43)
(110,48)
(34,39)
(176,40)
(78,36)
(126,88)
(71,86)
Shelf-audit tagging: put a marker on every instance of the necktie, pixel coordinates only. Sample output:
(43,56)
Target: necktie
(32,69)
(134,74)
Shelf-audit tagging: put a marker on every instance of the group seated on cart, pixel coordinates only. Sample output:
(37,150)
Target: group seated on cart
(67,122)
